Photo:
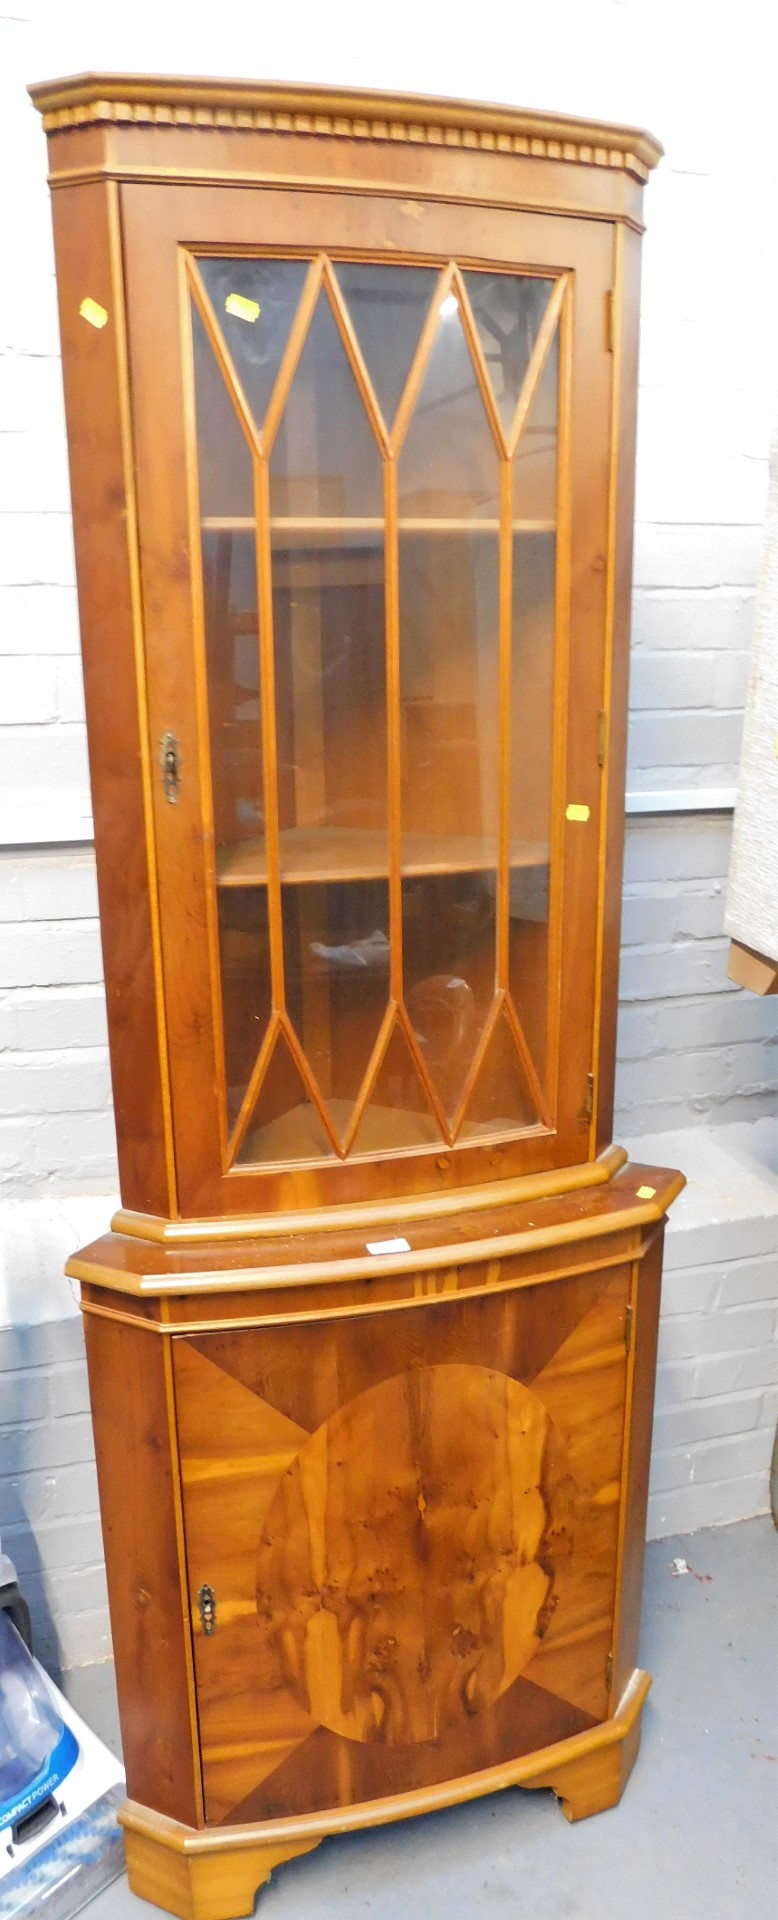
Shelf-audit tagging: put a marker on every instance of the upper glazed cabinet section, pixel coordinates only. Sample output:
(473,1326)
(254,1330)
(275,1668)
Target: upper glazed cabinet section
(376,468)
(369,401)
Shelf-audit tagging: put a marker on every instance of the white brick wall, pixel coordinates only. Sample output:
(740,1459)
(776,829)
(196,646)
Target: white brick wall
(693,1051)
(48,1491)
(717,1378)
(56,1119)
(692,1047)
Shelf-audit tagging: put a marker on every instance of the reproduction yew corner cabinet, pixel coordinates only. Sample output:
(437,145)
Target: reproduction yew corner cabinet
(350,385)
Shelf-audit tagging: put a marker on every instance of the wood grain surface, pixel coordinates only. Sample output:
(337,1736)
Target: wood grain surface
(645,1299)
(204,1876)
(137,1473)
(86,235)
(407,1561)
(411,1533)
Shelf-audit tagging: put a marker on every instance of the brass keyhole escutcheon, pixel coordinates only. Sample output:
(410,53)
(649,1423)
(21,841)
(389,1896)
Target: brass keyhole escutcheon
(206,1603)
(170,762)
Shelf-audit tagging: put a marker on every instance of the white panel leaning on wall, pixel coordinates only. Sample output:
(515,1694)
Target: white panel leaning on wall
(752,903)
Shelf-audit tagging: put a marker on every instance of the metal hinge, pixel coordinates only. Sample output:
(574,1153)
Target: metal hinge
(589,1102)
(609,321)
(602,736)
(609,1672)
(206,1602)
(628,1328)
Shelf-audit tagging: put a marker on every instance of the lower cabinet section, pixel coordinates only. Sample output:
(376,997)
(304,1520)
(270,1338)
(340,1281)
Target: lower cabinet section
(402,1534)
(374,1532)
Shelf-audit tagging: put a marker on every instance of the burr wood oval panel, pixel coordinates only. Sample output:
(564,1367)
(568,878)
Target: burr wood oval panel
(403,1586)
(409,1523)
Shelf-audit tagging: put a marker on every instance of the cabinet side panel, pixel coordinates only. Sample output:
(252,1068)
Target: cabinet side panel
(96,404)
(137,1475)
(645,1297)
(626,306)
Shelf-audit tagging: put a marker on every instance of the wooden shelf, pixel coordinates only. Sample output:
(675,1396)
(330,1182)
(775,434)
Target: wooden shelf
(297,1135)
(408,525)
(344,853)
(295,526)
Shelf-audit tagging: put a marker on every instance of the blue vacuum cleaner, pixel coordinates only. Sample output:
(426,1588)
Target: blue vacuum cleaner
(60,1789)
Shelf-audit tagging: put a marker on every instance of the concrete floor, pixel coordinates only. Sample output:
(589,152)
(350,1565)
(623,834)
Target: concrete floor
(693,1839)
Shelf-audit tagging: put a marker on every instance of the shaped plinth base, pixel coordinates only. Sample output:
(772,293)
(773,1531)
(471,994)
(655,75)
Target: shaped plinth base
(214,1873)
(197,1882)
(594,1781)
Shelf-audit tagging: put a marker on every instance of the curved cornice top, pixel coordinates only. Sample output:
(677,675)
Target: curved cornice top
(286,108)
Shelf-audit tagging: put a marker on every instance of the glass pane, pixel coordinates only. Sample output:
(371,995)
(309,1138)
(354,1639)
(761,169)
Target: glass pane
(501,1101)
(234,706)
(224,466)
(508,310)
(225,471)
(398,1116)
(330,655)
(255,302)
(336,963)
(329,638)
(529,978)
(325,461)
(230,623)
(285,1124)
(532,694)
(245,973)
(535,464)
(449,971)
(448,466)
(449,688)
(387,306)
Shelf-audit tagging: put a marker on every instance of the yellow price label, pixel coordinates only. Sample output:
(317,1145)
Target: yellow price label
(92,311)
(241,308)
(576,812)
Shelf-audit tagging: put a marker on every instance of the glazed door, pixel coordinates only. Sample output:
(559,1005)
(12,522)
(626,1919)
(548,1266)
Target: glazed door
(373,526)
(401,1540)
